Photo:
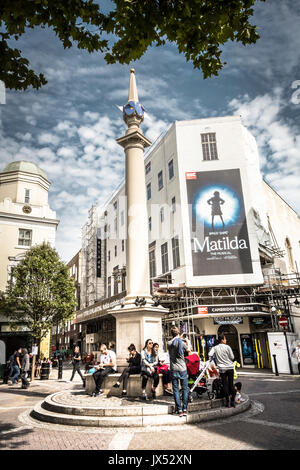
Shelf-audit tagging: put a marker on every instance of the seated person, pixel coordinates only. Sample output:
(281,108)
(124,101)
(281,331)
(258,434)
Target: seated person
(163,368)
(108,365)
(134,367)
(148,363)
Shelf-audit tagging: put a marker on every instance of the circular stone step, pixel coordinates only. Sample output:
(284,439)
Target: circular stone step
(77,409)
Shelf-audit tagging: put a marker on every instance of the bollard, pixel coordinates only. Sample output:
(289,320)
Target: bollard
(275,364)
(60,368)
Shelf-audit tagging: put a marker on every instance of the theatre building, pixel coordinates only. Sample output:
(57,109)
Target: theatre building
(223,245)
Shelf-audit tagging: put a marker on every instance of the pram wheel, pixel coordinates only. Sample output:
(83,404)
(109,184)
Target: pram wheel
(191,399)
(211,395)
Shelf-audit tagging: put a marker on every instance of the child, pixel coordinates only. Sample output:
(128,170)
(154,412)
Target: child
(238,396)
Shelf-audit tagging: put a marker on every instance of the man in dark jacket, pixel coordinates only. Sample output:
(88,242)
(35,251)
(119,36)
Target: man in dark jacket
(16,366)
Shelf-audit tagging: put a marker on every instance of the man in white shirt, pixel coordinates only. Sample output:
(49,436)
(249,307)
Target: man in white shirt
(108,365)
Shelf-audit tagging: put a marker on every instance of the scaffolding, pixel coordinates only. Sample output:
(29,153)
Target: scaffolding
(277,291)
(90,285)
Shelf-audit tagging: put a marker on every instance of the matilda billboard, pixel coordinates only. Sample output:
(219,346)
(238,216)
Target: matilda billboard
(220,241)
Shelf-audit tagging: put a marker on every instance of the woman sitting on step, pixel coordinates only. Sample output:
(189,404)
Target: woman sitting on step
(163,368)
(134,367)
(148,364)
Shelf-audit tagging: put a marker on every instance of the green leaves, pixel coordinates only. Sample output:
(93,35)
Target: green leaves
(197,27)
(40,292)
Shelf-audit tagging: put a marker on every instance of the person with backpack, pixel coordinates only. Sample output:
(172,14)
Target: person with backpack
(225,362)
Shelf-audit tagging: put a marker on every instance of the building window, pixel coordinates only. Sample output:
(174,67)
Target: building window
(150,224)
(289,250)
(175,252)
(148,168)
(123,282)
(173,204)
(27,196)
(152,263)
(164,258)
(148,191)
(108,256)
(162,214)
(160,180)
(122,218)
(209,146)
(109,286)
(116,225)
(25,237)
(115,285)
(115,205)
(123,245)
(171,169)
(116,250)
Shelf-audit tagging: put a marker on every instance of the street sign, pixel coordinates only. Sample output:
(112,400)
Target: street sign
(283,321)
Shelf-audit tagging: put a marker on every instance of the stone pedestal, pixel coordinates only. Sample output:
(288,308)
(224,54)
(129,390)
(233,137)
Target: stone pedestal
(136,325)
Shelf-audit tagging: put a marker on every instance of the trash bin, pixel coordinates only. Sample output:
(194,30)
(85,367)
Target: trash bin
(45,371)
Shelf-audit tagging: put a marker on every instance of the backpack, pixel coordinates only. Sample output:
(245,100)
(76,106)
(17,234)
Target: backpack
(217,388)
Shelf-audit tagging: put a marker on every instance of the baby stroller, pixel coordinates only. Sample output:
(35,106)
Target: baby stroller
(203,382)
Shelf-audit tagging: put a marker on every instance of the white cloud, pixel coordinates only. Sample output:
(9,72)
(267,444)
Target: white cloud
(48,138)
(278,141)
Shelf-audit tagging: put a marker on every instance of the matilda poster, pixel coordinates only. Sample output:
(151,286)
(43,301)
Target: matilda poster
(219,234)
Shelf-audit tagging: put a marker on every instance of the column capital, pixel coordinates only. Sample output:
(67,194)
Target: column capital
(134,139)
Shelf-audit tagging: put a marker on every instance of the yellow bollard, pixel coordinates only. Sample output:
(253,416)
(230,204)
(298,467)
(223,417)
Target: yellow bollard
(262,364)
(257,354)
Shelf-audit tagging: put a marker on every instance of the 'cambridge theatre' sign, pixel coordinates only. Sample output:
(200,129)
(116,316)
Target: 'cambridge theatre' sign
(220,242)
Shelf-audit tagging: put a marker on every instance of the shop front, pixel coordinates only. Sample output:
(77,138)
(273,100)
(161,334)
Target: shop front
(245,328)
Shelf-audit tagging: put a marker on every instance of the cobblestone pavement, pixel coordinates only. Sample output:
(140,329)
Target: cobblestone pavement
(272,423)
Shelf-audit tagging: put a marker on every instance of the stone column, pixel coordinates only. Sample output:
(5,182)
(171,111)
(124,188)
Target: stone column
(135,324)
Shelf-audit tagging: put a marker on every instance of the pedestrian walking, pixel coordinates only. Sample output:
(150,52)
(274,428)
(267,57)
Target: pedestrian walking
(108,365)
(76,365)
(134,367)
(148,363)
(16,366)
(25,366)
(10,364)
(225,362)
(177,348)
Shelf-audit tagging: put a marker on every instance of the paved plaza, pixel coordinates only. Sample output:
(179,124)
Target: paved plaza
(272,422)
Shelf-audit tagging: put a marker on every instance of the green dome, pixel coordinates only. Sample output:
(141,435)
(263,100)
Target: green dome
(26,167)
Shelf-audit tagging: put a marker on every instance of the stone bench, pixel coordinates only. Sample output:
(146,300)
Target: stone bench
(134,385)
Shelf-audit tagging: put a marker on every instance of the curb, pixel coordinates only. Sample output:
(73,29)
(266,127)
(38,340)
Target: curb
(51,411)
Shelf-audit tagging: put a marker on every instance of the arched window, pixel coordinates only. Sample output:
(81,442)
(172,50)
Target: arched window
(289,251)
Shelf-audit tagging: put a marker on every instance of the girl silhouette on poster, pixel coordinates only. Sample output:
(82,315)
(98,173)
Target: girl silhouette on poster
(215,202)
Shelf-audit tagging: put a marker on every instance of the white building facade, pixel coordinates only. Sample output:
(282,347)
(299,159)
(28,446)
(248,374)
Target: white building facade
(25,220)
(220,239)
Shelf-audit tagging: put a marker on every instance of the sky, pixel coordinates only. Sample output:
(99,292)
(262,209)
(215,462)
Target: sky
(69,126)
